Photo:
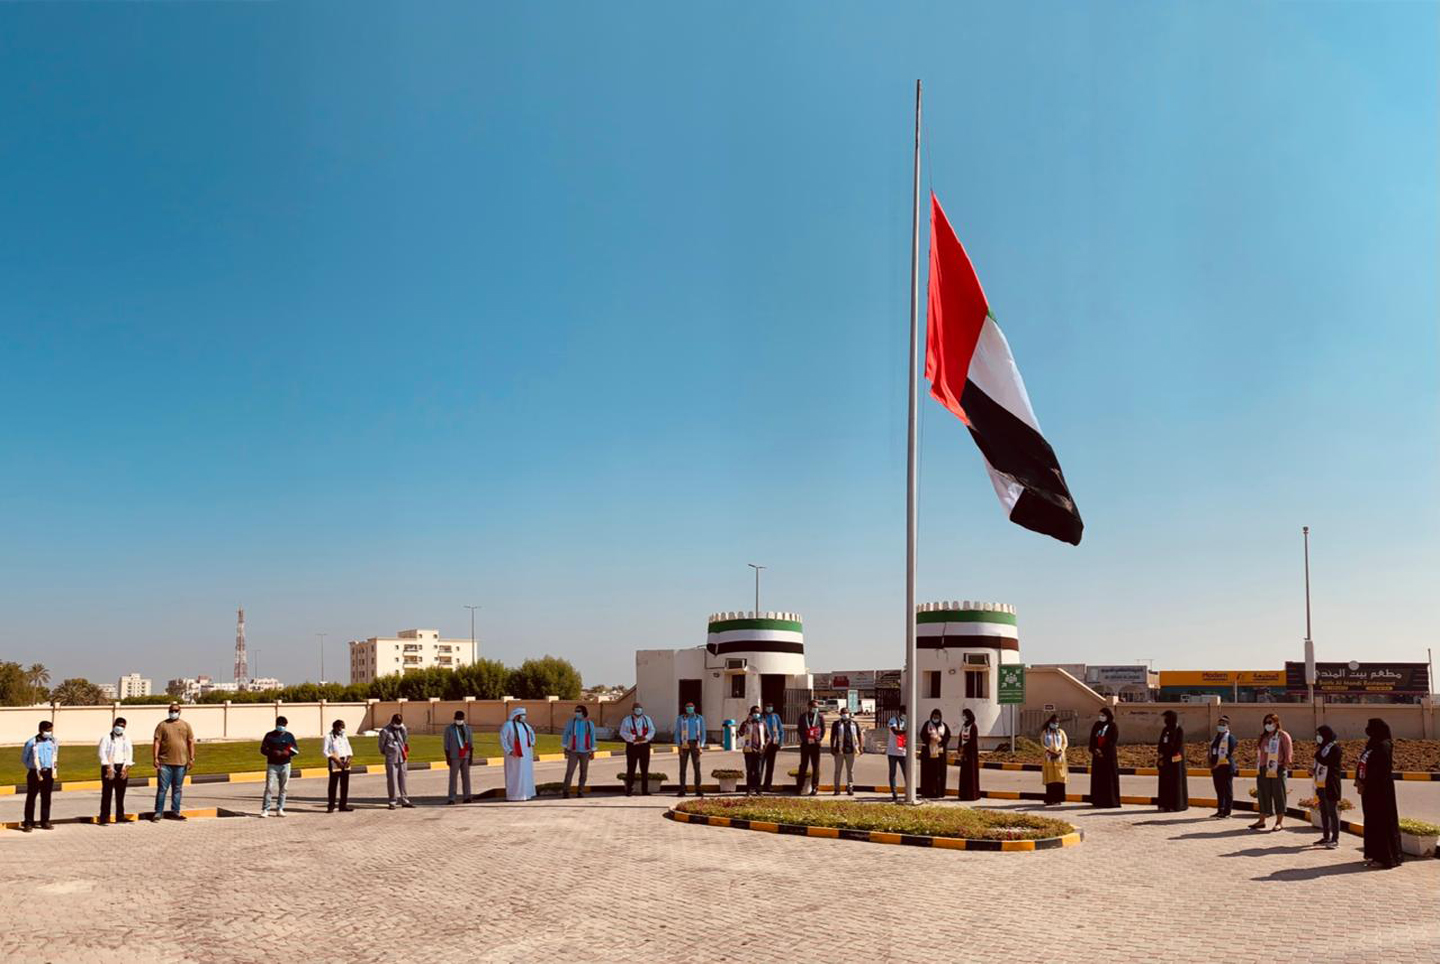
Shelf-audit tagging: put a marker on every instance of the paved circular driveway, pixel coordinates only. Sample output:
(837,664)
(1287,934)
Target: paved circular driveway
(608,879)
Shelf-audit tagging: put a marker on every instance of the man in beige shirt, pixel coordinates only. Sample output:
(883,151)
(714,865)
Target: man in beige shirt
(173,753)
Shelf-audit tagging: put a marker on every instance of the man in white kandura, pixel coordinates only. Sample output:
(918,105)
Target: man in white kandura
(517,742)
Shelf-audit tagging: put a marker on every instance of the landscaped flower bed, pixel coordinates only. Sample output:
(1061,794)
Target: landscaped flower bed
(928,821)
(1409,754)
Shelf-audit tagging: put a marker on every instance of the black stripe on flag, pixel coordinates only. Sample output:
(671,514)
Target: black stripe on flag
(1016,450)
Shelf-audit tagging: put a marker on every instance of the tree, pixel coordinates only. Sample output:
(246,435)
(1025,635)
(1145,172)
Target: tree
(484,679)
(536,679)
(15,688)
(77,692)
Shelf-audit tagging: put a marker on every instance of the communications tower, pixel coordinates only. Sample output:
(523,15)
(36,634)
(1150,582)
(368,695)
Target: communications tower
(242,663)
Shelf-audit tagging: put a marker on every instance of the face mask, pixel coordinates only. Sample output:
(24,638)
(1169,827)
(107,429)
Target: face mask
(639,711)
(689,711)
(1319,738)
(279,729)
(1269,727)
(174,714)
(769,709)
(339,732)
(579,716)
(1054,726)
(118,731)
(934,719)
(47,735)
(754,716)
(1222,729)
(844,716)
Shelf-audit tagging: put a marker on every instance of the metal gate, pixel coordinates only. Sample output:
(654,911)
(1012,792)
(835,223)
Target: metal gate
(797,701)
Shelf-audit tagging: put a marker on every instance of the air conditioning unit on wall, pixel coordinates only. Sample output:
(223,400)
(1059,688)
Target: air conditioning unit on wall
(736,663)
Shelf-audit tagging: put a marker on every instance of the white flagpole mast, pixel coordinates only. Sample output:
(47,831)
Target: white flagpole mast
(912,483)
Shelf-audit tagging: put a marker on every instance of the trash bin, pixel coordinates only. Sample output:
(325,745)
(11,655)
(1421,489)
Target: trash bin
(729,740)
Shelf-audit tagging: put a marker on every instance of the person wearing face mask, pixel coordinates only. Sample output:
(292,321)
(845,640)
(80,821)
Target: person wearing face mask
(172,753)
(578,742)
(1326,772)
(844,745)
(811,731)
(41,756)
(934,748)
(1056,769)
(638,731)
(394,744)
(517,742)
(278,748)
(117,756)
(1223,767)
(1104,760)
(775,738)
(689,740)
(338,757)
(1273,757)
(1375,782)
(1173,791)
(459,752)
(898,726)
(754,737)
(969,776)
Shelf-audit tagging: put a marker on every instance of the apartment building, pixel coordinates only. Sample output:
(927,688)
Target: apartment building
(407,650)
(132,685)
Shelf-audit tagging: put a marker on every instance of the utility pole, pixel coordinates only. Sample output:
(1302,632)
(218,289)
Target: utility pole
(757,586)
(473,654)
(322,655)
(1309,641)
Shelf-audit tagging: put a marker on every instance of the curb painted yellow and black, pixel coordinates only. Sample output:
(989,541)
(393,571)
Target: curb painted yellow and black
(198,813)
(1421,776)
(880,836)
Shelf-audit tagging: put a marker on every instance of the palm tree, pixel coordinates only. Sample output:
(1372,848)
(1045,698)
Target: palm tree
(37,676)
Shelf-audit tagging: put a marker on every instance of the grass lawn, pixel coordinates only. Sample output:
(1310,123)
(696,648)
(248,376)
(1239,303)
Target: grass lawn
(930,821)
(79,762)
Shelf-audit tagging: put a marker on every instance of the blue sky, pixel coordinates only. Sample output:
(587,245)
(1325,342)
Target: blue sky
(357,313)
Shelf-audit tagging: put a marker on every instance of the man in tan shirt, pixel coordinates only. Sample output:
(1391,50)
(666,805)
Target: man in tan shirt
(173,753)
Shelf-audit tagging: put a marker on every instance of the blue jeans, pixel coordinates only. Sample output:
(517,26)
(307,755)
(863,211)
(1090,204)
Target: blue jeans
(896,763)
(277,778)
(168,776)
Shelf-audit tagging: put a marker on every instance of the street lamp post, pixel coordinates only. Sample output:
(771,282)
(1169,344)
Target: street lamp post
(757,586)
(322,656)
(1309,642)
(472,630)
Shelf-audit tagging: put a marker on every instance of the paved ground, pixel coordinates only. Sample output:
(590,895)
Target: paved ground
(608,879)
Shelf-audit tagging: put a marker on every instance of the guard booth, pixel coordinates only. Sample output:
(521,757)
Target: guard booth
(959,649)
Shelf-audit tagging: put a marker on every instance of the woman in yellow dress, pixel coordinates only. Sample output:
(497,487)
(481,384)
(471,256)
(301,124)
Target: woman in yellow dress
(1055,771)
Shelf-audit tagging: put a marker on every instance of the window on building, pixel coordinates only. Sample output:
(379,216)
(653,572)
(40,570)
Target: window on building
(737,686)
(977,683)
(932,684)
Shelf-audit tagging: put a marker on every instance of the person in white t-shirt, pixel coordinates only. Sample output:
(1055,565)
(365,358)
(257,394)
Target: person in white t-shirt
(117,756)
(337,757)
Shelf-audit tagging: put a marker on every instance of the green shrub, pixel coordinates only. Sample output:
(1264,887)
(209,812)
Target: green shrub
(1418,827)
(929,821)
(654,777)
(728,774)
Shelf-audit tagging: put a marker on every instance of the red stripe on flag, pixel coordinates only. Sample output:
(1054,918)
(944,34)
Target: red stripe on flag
(956,312)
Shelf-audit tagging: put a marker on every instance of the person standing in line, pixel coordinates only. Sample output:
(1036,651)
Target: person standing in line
(1105,760)
(338,757)
(775,737)
(1273,758)
(811,730)
(895,749)
(41,757)
(1174,783)
(278,748)
(459,753)
(969,776)
(517,742)
(1223,766)
(844,746)
(395,748)
(1375,782)
(1056,769)
(689,740)
(638,731)
(1326,772)
(173,754)
(754,737)
(117,756)
(935,748)
(578,741)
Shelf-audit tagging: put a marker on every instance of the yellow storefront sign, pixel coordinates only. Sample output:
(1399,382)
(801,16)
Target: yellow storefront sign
(1222,677)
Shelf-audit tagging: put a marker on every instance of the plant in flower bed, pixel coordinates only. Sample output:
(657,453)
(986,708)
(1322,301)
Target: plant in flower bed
(929,821)
(1312,803)
(654,777)
(1418,827)
(1409,754)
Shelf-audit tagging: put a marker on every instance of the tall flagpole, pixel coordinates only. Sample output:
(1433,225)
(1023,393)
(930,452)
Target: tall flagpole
(912,483)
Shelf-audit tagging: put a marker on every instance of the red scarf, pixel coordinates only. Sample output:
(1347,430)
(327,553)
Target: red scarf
(516,725)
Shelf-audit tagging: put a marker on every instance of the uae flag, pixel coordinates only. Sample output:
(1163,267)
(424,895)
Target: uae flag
(971,372)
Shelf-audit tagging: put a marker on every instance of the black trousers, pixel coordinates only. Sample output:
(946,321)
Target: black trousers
(112,788)
(809,761)
(753,763)
(38,783)
(637,753)
(770,752)
(1224,779)
(689,752)
(339,780)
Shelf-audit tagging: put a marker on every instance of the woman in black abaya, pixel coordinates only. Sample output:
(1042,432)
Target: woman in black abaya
(1174,790)
(1104,763)
(969,778)
(1375,780)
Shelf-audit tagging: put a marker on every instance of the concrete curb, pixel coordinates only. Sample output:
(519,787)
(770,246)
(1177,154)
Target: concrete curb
(1417,775)
(200,813)
(881,837)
